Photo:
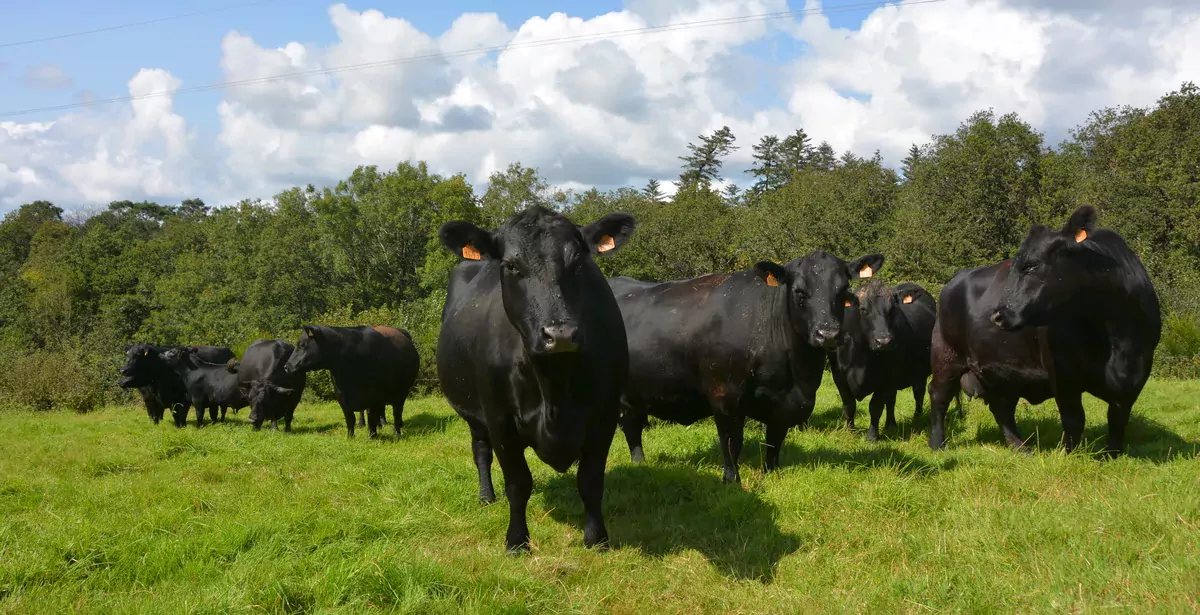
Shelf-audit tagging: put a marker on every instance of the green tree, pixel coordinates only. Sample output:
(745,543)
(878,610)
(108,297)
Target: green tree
(702,166)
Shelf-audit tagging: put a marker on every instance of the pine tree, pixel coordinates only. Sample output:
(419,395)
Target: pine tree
(910,163)
(824,158)
(795,153)
(767,167)
(653,191)
(703,164)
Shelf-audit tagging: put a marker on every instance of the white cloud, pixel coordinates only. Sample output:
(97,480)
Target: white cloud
(605,110)
(47,77)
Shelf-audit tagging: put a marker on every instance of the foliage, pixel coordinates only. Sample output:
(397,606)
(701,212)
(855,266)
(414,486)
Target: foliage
(74,290)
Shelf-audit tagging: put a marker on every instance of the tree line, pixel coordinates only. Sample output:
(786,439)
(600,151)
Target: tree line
(75,288)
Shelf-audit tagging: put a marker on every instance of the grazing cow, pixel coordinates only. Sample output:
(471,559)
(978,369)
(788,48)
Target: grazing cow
(272,393)
(1073,312)
(730,346)
(885,349)
(532,353)
(159,386)
(211,386)
(371,368)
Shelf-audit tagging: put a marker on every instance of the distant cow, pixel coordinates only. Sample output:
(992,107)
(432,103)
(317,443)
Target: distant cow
(371,368)
(271,392)
(885,349)
(730,346)
(532,353)
(1074,311)
(159,386)
(211,386)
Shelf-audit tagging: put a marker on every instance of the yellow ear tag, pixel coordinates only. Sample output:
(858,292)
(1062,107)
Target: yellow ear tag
(606,244)
(771,281)
(866,271)
(469,252)
(146,352)
(907,299)
(1080,235)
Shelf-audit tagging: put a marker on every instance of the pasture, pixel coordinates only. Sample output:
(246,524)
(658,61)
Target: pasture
(107,513)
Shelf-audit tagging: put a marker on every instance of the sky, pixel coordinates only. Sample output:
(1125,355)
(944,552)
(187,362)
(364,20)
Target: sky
(608,110)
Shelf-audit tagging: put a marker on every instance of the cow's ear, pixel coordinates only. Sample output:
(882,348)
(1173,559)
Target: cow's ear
(771,273)
(311,331)
(864,267)
(607,234)
(468,241)
(1081,223)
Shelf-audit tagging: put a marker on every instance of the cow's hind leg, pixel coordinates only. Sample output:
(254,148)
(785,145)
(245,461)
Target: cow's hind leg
(891,410)
(398,412)
(375,419)
(1005,412)
(731,427)
(632,423)
(1118,420)
(849,404)
(349,414)
(879,400)
(944,387)
(481,448)
(918,391)
(362,418)
(776,433)
(1070,412)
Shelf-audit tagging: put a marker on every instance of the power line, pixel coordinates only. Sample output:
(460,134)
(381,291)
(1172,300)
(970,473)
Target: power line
(133,24)
(477,51)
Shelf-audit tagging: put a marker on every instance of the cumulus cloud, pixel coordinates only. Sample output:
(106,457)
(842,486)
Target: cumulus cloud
(606,110)
(47,77)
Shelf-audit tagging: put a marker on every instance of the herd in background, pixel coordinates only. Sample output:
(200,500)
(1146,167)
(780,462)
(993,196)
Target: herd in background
(539,350)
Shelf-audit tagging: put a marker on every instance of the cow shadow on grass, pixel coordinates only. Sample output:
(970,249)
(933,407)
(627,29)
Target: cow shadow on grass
(416,425)
(871,456)
(1145,438)
(665,510)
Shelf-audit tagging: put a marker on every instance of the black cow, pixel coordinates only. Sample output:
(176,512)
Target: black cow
(748,344)
(211,386)
(885,349)
(1073,312)
(532,353)
(272,393)
(158,385)
(371,368)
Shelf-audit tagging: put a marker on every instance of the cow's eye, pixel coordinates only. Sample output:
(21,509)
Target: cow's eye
(1030,266)
(512,267)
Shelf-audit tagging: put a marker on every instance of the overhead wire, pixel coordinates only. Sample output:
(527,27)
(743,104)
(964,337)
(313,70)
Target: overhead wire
(579,38)
(134,24)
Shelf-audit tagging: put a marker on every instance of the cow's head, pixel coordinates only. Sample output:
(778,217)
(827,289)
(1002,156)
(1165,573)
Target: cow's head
(1050,268)
(177,355)
(307,355)
(818,291)
(545,261)
(265,400)
(877,314)
(139,368)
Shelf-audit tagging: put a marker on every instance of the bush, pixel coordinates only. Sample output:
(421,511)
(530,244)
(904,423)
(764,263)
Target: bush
(47,380)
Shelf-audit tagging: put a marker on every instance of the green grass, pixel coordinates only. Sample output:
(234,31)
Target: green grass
(107,513)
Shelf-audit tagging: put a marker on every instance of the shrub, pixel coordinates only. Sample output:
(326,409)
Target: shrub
(51,379)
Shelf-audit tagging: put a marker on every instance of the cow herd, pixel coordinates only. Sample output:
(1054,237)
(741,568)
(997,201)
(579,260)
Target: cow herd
(539,350)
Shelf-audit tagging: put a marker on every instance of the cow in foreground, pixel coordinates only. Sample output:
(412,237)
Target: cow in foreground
(372,367)
(210,386)
(271,392)
(885,348)
(532,353)
(160,388)
(730,346)
(1073,312)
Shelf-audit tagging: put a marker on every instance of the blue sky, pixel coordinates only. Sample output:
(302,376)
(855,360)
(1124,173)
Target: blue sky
(100,64)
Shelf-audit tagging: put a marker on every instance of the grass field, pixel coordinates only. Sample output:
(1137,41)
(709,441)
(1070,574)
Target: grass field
(107,513)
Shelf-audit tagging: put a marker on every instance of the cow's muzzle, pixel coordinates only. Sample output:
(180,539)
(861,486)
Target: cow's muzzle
(554,339)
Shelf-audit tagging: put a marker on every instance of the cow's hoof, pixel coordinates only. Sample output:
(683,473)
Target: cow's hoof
(487,498)
(637,455)
(518,549)
(872,436)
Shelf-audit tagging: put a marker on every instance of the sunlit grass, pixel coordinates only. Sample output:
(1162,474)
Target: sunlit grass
(107,513)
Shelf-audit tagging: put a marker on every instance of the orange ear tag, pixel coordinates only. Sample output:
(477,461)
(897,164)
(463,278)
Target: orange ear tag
(771,281)
(847,303)
(866,271)
(607,243)
(469,252)
(907,299)
(1080,235)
